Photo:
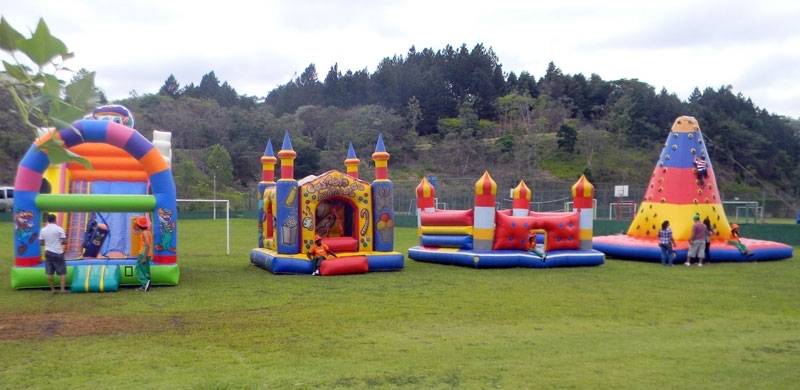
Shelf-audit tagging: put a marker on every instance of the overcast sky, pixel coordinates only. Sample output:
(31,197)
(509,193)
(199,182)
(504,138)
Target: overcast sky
(752,45)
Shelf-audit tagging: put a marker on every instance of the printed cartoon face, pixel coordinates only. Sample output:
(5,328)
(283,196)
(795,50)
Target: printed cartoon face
(23,220)
(114,113)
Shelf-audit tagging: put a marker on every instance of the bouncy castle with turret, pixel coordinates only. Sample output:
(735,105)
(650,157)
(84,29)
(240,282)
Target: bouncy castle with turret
(129,177)
(485,237)
(354,218)
(676,193)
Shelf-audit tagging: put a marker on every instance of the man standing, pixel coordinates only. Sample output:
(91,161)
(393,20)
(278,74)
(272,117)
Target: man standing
(697,243)
(53,238)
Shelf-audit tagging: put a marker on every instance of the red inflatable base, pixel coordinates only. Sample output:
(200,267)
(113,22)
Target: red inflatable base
(344,266)
(341,244)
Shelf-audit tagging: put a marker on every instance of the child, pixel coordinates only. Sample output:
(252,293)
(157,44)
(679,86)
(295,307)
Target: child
(142,226)
(666,243)
(701,166)
(709,235)
(736,240)
(319,252)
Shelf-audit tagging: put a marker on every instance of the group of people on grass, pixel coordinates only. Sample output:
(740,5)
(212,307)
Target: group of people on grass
(54,240)
(699,242)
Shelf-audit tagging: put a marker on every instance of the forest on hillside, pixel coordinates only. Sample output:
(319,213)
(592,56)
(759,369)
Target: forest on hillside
(451,112)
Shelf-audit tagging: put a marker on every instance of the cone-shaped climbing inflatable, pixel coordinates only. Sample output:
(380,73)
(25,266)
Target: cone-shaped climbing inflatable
(679,190)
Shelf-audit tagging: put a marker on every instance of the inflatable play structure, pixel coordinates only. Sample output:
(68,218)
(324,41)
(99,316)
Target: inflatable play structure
(485,237)
(129,177)
(354,218)
(677,192)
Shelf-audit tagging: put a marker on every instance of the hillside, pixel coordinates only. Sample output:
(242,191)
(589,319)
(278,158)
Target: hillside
(452,113)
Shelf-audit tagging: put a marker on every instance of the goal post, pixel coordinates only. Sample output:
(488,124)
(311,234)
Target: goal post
(227,216)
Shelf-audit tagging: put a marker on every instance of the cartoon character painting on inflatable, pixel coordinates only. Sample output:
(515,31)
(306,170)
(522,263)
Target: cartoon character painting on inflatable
(485,237)
(677,192)
(355,219)
(129,177)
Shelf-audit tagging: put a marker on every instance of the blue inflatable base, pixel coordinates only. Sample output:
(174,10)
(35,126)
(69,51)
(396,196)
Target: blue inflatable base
(273,262)
(507,258)
(641,250)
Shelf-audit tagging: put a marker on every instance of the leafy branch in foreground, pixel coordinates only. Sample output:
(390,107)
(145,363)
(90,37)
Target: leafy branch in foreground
(43,100)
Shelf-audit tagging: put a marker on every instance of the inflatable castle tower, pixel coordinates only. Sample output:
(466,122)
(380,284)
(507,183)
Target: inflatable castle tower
(353,217)
(677,193)
(485,237)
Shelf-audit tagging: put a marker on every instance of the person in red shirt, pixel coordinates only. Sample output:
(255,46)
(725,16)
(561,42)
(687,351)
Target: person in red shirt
(318,252)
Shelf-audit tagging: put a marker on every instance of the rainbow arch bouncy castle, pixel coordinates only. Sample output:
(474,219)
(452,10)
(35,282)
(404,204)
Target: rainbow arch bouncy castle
(485,237)
(355,218)
(676,193)
(131,176)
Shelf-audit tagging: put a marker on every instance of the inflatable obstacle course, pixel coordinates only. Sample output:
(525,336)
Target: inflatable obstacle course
(354,218)
(676,192)
(131,177)
(484,237)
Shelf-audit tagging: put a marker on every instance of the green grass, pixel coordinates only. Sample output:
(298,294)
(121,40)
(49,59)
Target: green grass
(231,325)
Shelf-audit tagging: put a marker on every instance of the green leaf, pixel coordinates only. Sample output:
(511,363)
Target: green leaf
(8,36)
(63,111)
(81,90)
(59,154)
(17,72)
(42,47)
(52,86)
(22,109)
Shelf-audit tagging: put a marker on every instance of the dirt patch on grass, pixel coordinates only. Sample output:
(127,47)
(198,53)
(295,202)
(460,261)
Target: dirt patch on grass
(43,325)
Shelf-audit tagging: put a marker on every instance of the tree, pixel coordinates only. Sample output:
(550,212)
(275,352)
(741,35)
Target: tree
(413,113)
(170,88)
(218,161)
(567,137)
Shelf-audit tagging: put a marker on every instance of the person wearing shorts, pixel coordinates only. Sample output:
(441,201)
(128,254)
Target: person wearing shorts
(697,243)
(53,238)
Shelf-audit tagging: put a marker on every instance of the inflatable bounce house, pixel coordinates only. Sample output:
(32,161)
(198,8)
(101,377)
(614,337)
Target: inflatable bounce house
(677,192)
(129,177)
(354,218)
(485,237)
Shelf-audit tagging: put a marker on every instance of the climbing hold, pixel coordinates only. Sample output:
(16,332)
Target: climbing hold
(674,147)
(693,150)
(690,135)
(695,201)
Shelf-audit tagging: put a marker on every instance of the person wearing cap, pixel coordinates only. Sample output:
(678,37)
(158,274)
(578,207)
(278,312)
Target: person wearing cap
(319,251)
(143,258)
(697,243)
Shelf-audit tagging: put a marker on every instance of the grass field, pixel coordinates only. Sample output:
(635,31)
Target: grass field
(231,325)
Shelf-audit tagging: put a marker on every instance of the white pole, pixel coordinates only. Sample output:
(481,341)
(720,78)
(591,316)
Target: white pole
(228,227)
(215,196)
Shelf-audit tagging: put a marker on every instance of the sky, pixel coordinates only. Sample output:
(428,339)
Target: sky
(258,45)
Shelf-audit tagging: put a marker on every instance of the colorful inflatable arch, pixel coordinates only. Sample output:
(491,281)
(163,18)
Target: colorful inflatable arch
(484,237)
(354,218)
(130,177)
(676,193)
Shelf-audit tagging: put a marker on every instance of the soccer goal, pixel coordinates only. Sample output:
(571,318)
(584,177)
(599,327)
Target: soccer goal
(622,210)
(745,210)
(214,202)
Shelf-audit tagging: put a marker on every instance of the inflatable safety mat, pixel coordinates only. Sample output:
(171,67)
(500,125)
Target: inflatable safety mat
(344,266)
(95,278)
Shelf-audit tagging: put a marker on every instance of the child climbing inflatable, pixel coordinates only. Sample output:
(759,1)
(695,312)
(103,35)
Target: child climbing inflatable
(683,189)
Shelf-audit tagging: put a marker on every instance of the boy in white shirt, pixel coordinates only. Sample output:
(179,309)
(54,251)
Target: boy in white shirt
(53,238)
